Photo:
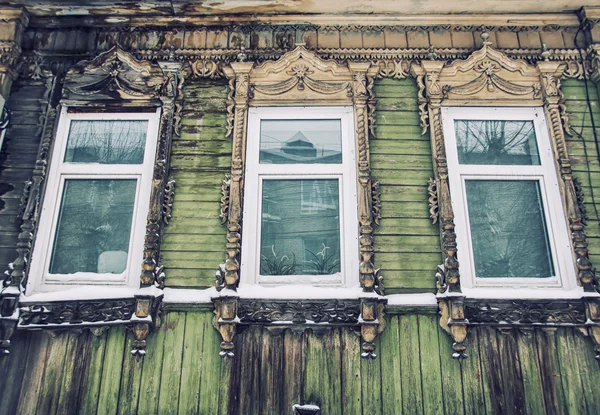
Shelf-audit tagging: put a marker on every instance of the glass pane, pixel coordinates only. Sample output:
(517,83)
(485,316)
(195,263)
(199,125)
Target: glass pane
(106,142)
(300,227)
(508,229)
(94,226)
(496,142)
(300,142)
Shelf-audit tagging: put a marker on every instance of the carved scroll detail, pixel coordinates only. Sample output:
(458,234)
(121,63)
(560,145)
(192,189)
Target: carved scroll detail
(225,186)
(433,200)
(169,197)
(376,202)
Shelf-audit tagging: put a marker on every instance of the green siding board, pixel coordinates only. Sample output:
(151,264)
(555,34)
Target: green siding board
(450,376)
(589,370)
(112,368)
(210,372)
(391,371)
(532,380)
(130,379)
(91,386)
(172,358)
(569,373)
(351,373)
(430,352)
(371,383)
(474,394)
(410,356)
(189,394)
(151,372)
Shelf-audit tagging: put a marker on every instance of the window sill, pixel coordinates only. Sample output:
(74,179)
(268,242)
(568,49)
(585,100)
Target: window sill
(520,293)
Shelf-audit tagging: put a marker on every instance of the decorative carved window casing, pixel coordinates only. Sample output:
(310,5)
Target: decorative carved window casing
(490,78)
(112,82)
(299,79)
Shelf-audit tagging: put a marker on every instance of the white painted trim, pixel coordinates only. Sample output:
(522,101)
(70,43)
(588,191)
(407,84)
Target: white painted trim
(256,173)
(545,174)
(39,278)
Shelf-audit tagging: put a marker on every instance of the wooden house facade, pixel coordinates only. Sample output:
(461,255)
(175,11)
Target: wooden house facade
(280,207)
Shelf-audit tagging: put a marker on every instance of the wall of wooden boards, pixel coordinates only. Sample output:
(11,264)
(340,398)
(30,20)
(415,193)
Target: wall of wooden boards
(511,372)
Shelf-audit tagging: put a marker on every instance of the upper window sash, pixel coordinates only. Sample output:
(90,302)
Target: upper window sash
(345,173)
(114,174)
(544,174)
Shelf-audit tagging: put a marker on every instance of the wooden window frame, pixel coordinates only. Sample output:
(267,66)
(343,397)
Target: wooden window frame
(256,173)
(545,174)
(41,280)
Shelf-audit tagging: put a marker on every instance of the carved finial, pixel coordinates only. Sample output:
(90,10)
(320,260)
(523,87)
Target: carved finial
(545,52)
(485,36)
(241,57)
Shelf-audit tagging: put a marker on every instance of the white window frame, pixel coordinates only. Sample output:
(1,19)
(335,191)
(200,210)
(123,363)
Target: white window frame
(256,173)
(545,173)
(40,280)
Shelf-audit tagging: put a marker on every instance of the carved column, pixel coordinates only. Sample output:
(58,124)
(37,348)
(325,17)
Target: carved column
(451,300)
(240,71)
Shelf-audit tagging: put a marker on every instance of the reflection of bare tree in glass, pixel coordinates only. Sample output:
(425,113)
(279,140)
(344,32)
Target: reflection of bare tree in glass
(508,229)
(496,142)
(107,141)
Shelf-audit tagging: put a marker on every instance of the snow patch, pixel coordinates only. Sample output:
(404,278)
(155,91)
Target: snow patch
(81,293)
(425,299)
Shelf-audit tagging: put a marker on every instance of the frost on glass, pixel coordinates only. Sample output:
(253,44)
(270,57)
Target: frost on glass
(300,227)
(496,142)
(508,229)
(106,141)
(94,226)
(300,142)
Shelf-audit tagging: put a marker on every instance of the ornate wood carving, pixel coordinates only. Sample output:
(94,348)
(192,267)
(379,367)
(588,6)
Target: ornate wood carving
(76,312)
(376,202)
(433,200)
(299,312)
(299,77)
(168,199)
(490,77)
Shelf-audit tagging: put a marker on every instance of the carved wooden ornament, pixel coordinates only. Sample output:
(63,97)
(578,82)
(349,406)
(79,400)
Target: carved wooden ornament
(490,78)
(299,78)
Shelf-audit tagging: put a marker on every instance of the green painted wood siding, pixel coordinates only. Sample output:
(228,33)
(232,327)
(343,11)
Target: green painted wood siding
(193,244)
(513,371)
(583,153)
(407,245)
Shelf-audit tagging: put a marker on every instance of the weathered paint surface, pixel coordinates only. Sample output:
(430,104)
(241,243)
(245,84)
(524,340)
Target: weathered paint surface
(527,371)
(193,245)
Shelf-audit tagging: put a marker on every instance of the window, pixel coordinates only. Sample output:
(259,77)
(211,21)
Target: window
(94,213)
(300,209)
(510,224)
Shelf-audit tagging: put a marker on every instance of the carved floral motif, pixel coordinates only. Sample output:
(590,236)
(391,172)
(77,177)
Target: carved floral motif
(77,312)
(553,312)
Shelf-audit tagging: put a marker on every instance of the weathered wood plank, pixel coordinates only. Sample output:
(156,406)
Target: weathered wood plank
(210,372)
(189,393)
(589,370)
(532,379)
(429,348)
(131,378)
(412,393)
(451,376)
(53,374)
(32,383)
(512,377)
(549,368)
(391,378)
(371,382)
(151,372)
(74,370)
(351,372)
(12,368)
(172,358)
(108,398)
(271,373)
(491,367)
(569,372)
(473,390)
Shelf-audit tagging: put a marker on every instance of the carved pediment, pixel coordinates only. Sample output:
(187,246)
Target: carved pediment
(301,75)
(115,74)
(488,74)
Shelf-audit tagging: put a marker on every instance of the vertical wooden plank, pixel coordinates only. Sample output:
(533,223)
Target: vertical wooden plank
(589,370)
(53,374)
(473,390)
(390,369)
(532,378)
(271,372)
(293,373)
(547,360)
(569,373)
(32,383)
(512,378)
(151,371)
(211,371)
(12,368)
(491,369)
(430,364)
(451,376)
(91,385)
(314,376)
(412,395)
(108,399)
(172,359)
(225,391)
(371,382)
(130,379)
(192,362)
(74,370)
(351,373)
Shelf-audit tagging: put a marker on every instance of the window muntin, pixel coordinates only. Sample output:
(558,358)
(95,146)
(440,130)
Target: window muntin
(301,224)
(94,212)
(509,217)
